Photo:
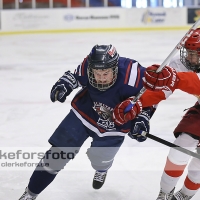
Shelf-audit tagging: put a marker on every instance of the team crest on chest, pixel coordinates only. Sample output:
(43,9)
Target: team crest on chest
(105,116)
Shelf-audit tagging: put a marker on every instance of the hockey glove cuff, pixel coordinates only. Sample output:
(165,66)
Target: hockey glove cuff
(119,115)
(140,125)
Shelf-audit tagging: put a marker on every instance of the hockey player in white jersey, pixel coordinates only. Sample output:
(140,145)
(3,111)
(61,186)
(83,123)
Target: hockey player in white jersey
(187,132)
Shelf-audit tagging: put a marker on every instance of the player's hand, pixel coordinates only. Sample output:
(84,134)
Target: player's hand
(63,87)
(120,117)
(167,79)
(59,92)
(140,126)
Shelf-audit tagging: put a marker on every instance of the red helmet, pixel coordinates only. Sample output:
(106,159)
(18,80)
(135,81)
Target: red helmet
(193,42)
(191,51)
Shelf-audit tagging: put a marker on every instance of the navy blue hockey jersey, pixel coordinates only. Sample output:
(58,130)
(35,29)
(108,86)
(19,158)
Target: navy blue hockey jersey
(94,107)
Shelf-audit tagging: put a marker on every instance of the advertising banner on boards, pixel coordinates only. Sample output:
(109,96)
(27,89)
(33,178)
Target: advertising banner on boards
(193,14)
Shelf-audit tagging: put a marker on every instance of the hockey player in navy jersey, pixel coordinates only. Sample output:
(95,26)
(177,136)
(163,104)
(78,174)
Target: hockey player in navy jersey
(106,80)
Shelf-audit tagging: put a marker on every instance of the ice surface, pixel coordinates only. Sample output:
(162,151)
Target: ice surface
(30,65)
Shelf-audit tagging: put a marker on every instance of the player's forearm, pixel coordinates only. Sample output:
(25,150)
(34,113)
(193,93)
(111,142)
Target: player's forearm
(150,98)
(189,82)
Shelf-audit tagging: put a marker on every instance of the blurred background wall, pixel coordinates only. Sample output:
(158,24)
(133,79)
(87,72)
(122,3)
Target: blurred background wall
(25,4)
(96,15)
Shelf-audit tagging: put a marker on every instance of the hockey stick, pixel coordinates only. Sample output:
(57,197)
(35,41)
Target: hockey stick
(174,51)
(169,144)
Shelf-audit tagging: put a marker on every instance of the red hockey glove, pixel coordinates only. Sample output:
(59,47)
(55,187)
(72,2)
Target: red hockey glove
(120,117)
(167,79)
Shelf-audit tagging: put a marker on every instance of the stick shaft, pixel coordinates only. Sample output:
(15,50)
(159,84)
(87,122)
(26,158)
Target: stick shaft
(169,144)
(171,55)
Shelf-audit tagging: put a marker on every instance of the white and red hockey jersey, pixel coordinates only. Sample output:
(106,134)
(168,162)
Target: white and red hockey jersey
(188,82)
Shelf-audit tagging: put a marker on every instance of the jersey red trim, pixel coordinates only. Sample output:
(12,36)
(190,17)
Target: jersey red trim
(128,73)
(138,77)
(83,66)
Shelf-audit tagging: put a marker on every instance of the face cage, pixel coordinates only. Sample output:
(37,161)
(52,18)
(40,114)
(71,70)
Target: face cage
(99,86)
(187,63)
